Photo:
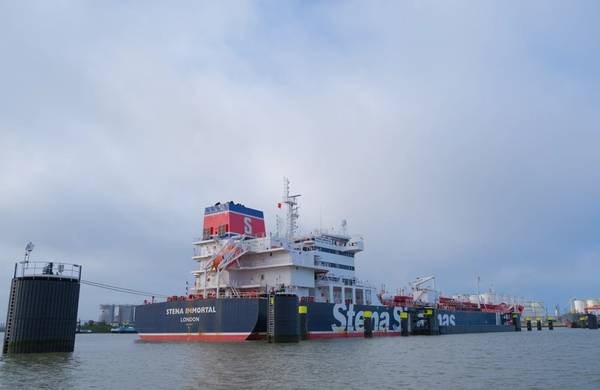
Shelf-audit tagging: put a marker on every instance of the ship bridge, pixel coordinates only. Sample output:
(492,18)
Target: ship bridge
(235,260)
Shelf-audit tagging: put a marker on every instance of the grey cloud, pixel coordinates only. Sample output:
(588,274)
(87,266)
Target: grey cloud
(458,139)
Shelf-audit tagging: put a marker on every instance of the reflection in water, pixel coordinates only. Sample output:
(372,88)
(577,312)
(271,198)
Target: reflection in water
(45,369)
(507,360)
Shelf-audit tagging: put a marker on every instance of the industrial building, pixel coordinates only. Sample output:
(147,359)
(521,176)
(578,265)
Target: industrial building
(583,306)
(117,314)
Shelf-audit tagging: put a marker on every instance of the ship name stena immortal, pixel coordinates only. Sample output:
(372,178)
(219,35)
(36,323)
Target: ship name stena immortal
(241,270)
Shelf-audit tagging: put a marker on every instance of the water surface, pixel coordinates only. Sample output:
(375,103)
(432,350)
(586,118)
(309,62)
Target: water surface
(563,358)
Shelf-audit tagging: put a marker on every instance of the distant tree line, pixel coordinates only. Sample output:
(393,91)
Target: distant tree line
(96,327)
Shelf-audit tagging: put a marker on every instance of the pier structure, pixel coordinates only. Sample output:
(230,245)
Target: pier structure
(42,307)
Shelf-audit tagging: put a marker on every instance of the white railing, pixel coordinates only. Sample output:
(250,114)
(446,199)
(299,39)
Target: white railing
(262,244)
(48,269)
(340,279)
(353,244)
(205,250)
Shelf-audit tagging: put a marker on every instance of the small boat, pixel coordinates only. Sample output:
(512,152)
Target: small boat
(124,329)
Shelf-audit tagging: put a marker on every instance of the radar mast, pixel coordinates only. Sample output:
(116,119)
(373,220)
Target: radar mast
(292,210)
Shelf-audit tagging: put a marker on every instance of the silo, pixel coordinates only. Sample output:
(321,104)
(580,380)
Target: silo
(42,308)
(107,313)
(126,314)
(116,318)
(579,306)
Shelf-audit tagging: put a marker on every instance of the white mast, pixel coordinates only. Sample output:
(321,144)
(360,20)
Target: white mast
(28,250)
(292,210)
(278,232)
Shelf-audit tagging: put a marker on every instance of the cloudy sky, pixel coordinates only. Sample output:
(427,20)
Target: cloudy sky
(459,138)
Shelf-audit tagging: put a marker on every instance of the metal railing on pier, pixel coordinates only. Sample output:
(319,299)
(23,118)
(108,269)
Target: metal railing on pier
(47,269)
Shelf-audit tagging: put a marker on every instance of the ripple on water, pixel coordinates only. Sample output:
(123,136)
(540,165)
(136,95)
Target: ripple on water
(549,360)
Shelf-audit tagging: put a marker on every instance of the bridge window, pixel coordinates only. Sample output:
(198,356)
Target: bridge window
(335,252)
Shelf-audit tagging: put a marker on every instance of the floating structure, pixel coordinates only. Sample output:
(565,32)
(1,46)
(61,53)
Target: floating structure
(42,309)
(246,279)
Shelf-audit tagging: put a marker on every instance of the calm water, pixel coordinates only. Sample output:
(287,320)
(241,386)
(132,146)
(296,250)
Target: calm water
(527,360)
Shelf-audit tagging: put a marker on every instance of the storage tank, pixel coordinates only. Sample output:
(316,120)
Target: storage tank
(579,306)
(126,314)
(107,314)
(42,310)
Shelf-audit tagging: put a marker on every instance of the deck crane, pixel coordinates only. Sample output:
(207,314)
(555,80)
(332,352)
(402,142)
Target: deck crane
(420,289)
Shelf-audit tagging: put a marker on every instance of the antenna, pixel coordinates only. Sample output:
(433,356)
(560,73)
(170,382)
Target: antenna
(278,225)
(292,209)
(28,249)
(344,227)
(320,219)
(478,293)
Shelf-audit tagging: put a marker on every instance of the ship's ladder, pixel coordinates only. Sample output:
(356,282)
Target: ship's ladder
(234,291)
(215,261)
(10,316)
(271,318)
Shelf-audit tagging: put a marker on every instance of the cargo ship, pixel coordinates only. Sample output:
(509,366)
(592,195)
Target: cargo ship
(241,270)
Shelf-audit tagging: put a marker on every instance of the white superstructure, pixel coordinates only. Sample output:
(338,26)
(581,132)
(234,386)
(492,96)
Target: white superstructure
(318,266)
